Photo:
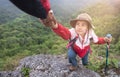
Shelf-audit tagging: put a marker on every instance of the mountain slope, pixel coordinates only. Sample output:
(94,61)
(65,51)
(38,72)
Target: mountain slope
(62,8)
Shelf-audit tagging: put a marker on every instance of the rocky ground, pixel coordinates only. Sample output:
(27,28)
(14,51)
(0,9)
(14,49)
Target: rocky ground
(49,66)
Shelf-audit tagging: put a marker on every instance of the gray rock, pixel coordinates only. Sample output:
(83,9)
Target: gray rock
(10,74)
(111,73)
(48,66)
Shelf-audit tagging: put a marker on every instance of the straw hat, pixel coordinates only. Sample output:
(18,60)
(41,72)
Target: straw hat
(84,17)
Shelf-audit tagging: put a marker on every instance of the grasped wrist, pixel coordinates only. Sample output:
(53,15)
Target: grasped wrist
(55,26)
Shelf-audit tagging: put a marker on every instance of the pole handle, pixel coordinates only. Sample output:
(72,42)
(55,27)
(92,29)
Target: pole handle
(108,36)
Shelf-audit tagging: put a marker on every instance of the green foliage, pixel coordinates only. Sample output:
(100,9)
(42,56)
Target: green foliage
(113,63)
(26,36)
(25,71)
(117,47)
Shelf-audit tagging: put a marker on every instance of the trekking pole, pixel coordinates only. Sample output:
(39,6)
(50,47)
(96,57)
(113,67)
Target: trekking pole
(107,53)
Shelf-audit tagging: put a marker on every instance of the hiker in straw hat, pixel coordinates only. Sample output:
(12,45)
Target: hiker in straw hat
(79,36)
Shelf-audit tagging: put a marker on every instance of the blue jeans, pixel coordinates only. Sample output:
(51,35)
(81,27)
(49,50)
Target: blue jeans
(72,57)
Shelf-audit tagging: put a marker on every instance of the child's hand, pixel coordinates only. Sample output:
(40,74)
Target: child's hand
(50,21)
(107,39)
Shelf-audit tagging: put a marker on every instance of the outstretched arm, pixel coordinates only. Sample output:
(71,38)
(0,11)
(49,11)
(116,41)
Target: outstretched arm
(100,40)
(103,40)
(58,28)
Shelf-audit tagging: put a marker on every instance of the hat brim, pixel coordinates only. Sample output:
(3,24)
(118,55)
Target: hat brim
(73,23)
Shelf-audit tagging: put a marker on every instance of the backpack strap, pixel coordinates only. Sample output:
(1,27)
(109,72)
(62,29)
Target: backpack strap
(71,42)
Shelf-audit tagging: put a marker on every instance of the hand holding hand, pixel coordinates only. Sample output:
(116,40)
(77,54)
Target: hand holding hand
(50,21)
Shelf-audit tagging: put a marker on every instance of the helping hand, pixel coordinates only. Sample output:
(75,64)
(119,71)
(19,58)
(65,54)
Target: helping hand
(50,21)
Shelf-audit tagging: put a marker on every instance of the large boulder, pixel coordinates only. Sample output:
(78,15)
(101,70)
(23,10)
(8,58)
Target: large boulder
(48,66)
